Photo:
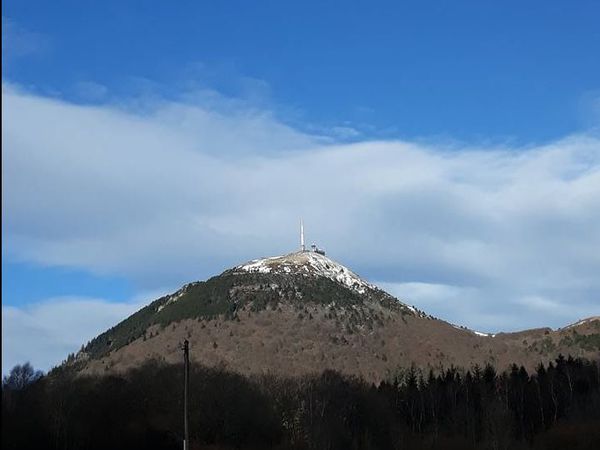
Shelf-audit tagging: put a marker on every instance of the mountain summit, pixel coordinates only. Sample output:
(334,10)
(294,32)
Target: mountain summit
(302,313)
(307,263)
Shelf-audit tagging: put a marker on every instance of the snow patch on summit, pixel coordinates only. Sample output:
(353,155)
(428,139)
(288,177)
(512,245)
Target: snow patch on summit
(308,263)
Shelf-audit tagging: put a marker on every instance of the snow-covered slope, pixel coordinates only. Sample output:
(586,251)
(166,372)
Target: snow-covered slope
(309,264)
(583,322)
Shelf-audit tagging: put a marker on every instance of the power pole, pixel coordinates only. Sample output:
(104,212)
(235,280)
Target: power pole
(186,381)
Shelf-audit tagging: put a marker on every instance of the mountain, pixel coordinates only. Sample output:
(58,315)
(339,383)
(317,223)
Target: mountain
(302,313)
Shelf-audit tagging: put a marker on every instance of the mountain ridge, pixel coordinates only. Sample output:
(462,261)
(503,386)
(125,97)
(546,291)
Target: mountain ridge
(303,312)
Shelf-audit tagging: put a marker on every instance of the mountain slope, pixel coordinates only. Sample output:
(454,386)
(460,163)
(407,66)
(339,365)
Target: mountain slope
(302,313)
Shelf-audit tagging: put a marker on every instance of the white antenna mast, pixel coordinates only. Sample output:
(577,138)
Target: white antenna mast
(302,248)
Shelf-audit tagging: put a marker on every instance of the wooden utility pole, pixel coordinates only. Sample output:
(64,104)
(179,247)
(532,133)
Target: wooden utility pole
(186,364)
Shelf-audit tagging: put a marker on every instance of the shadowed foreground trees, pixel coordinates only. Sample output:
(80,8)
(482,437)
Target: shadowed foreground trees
(20,376)
(558,406)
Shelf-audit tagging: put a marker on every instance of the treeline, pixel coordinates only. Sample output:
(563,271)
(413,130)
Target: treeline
(556,407)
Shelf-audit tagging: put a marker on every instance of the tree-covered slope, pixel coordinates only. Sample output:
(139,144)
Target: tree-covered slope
(225,295)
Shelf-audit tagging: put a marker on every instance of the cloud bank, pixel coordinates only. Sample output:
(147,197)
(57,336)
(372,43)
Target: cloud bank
(165,192)
(45,333)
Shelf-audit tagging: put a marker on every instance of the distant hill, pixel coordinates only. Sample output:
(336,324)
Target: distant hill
(302,313)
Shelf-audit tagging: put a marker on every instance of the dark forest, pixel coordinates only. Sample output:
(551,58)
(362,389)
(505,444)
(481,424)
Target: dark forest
(555,407)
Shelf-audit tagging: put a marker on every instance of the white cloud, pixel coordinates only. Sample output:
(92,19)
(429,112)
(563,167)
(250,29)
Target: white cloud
(45,333)
(500,308)
(429,293)
(91,91)
(166,192)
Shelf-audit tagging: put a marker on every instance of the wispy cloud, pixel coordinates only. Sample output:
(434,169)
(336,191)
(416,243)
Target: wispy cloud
(177,190)
(46,332)
(91,91)
(18,41)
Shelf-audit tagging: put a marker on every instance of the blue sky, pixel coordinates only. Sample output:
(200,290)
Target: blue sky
(463,70)
(456,142)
